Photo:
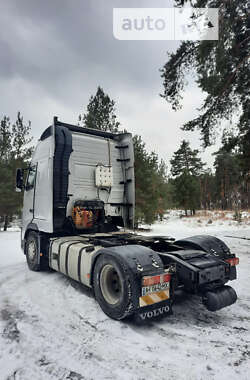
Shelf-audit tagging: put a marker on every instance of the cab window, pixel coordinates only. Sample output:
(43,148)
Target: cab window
(31,178)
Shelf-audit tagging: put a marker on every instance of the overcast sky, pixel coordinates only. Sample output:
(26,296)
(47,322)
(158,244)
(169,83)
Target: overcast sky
(54,54)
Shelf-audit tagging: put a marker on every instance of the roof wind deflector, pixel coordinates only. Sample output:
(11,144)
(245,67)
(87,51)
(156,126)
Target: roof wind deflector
(88,131)
(47,133)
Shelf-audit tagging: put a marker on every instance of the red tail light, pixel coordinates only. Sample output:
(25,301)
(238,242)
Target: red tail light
(233,261)
(153,280)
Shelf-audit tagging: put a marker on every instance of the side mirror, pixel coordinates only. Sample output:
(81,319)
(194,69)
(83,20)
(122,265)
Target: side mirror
(19,180)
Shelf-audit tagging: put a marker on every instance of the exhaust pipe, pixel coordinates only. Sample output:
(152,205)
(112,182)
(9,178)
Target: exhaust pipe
(219,298)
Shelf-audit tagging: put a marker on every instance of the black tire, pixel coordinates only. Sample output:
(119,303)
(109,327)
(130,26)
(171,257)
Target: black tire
(32,259)
(31,251)
(113,287)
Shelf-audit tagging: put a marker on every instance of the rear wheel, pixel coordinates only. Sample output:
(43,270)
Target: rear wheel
(112,287)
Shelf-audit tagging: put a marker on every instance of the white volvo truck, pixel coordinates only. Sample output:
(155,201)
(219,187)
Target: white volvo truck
(78,218)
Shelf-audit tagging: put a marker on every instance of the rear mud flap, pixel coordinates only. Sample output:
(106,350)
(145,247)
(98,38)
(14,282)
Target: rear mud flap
(155,311)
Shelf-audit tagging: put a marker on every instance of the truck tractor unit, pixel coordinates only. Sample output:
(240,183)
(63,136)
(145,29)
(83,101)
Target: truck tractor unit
(78,219)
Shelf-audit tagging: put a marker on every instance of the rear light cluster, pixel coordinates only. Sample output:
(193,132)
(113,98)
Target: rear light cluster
(153,280)
(233,261)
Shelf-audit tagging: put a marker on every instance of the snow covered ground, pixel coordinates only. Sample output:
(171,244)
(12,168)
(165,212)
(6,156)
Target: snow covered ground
(52,329)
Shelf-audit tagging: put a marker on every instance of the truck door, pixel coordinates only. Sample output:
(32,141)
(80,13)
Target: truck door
(29,194)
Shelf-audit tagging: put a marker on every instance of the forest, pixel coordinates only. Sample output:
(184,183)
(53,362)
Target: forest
(184,182)
(222,72)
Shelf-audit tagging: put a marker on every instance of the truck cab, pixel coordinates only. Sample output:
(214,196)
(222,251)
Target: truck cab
(72,164)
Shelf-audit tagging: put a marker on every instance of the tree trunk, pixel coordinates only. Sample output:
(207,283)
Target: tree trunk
(6,220)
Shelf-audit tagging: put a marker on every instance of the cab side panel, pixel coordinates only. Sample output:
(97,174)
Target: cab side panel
(88,152)
(38,198)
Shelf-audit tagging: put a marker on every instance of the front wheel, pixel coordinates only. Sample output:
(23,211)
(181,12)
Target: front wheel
(113,287)
(35,261)
(31,251)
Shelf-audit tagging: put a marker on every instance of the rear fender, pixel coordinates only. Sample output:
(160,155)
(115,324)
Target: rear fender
(139,260)
(213,246)
(206,243)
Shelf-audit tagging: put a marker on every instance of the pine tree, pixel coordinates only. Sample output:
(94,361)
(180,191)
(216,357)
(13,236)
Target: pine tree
(186,167)
(15,151)
(228,178)
(238,146)
(150,184)
(187,192)
(208,196)
(186,160)
(100,113)
(146,201)
(222,72)
(164,196)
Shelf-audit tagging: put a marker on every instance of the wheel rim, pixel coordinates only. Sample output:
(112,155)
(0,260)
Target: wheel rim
(32,250)
(110,284)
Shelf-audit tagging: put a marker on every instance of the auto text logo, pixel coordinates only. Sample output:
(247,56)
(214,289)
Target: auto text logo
(165,23)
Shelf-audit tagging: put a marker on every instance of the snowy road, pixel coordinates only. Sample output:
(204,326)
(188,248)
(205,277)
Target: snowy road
(52,329)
